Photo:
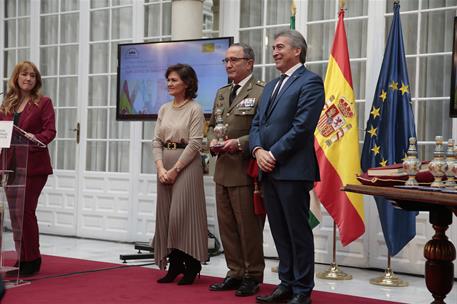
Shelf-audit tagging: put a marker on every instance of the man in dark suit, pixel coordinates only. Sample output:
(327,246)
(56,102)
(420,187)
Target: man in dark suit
(282,140)
(241,230)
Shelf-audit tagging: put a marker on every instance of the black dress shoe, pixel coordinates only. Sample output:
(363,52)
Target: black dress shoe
(300,299)
(248,287)
(228,284)
(280,295)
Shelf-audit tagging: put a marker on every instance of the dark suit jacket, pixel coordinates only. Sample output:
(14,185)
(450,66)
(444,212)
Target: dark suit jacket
(231,168)
(37,119)
(288,129)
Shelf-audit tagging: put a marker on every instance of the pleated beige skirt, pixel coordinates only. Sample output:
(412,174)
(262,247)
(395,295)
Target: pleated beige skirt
(181,221)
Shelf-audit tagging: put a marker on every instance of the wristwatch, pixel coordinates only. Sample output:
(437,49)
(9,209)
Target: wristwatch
(239,144)
(178,169)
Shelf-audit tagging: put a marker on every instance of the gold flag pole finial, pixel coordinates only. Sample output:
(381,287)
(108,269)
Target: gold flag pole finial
(293,8)
(342,4)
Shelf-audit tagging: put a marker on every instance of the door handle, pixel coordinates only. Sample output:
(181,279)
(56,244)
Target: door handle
(78,132)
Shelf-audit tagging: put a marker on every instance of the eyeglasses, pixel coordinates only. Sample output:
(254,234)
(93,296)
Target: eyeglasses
(233,59)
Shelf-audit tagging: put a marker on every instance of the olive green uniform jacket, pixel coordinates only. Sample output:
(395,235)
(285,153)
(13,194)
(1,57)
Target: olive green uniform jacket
(231,168)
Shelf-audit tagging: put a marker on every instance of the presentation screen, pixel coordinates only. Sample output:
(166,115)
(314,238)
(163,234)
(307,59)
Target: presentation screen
(141,83)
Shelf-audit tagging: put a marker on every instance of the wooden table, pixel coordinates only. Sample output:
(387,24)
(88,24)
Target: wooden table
(439,251)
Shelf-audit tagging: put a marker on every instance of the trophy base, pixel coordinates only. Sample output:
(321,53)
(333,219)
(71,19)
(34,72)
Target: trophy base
(217,148)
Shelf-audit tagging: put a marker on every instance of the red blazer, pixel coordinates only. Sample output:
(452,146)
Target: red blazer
(38,119)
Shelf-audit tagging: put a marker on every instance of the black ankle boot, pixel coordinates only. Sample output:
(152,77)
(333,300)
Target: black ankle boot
(193,267)
(176,268)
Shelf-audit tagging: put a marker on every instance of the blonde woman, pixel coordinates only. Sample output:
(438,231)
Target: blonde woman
(34,113)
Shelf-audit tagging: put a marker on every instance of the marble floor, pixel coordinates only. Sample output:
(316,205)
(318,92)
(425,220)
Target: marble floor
(105,251)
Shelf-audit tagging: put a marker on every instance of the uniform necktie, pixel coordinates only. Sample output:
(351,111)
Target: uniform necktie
(233,93)
(275,93)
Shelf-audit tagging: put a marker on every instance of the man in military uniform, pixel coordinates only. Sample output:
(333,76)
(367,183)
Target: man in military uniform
(241,230)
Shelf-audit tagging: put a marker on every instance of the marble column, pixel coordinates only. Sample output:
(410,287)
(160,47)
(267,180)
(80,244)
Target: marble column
(186,19)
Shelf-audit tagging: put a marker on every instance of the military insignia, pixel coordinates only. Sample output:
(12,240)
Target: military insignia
(221,97)
(333,122)
(247,103)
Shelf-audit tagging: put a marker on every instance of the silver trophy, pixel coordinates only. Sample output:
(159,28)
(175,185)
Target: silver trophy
(412,164)
(220,130)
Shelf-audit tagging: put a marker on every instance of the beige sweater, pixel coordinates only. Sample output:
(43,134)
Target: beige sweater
(179,125)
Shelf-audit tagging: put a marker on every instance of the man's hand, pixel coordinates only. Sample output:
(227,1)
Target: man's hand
(265,161)
(230,146)
(213,148)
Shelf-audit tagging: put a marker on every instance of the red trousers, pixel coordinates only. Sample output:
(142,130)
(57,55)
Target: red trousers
(27,243)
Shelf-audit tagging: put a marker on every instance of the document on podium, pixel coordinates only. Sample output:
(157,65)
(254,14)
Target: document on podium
(6,131)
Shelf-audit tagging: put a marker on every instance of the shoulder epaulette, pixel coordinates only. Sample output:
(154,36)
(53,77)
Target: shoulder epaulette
(260,83)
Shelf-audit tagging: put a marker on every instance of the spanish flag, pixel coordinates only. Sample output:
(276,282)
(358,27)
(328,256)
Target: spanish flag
(337,143)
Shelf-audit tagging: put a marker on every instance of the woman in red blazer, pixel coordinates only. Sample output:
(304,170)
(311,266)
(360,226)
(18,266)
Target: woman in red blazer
(25,104)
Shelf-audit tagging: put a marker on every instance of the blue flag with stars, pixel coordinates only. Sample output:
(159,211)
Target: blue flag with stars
(389,127)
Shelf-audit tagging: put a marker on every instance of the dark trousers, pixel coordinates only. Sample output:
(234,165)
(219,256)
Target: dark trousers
(241,232)
(26,241)
(287,206)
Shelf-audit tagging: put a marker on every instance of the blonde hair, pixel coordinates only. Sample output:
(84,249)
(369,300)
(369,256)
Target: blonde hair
(13,95)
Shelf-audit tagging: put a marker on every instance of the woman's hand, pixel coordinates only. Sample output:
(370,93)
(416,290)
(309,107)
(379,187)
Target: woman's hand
(172,174)
(30,136)
(162,173)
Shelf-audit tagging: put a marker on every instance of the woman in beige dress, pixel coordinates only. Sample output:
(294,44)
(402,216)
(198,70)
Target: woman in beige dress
(181,232)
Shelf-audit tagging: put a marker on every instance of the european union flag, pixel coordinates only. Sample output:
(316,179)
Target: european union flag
(389,126)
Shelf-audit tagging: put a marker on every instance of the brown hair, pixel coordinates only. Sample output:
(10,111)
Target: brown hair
(188,76)
(13,95)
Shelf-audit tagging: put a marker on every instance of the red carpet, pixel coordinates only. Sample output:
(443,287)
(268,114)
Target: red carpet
(131,285)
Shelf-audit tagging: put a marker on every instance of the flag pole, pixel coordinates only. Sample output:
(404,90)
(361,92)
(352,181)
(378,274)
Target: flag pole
(334,272)
(342,3)
(389,279)
(398,226)
(293,12)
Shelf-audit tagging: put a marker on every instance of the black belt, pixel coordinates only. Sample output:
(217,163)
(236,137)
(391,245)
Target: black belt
(174,146)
